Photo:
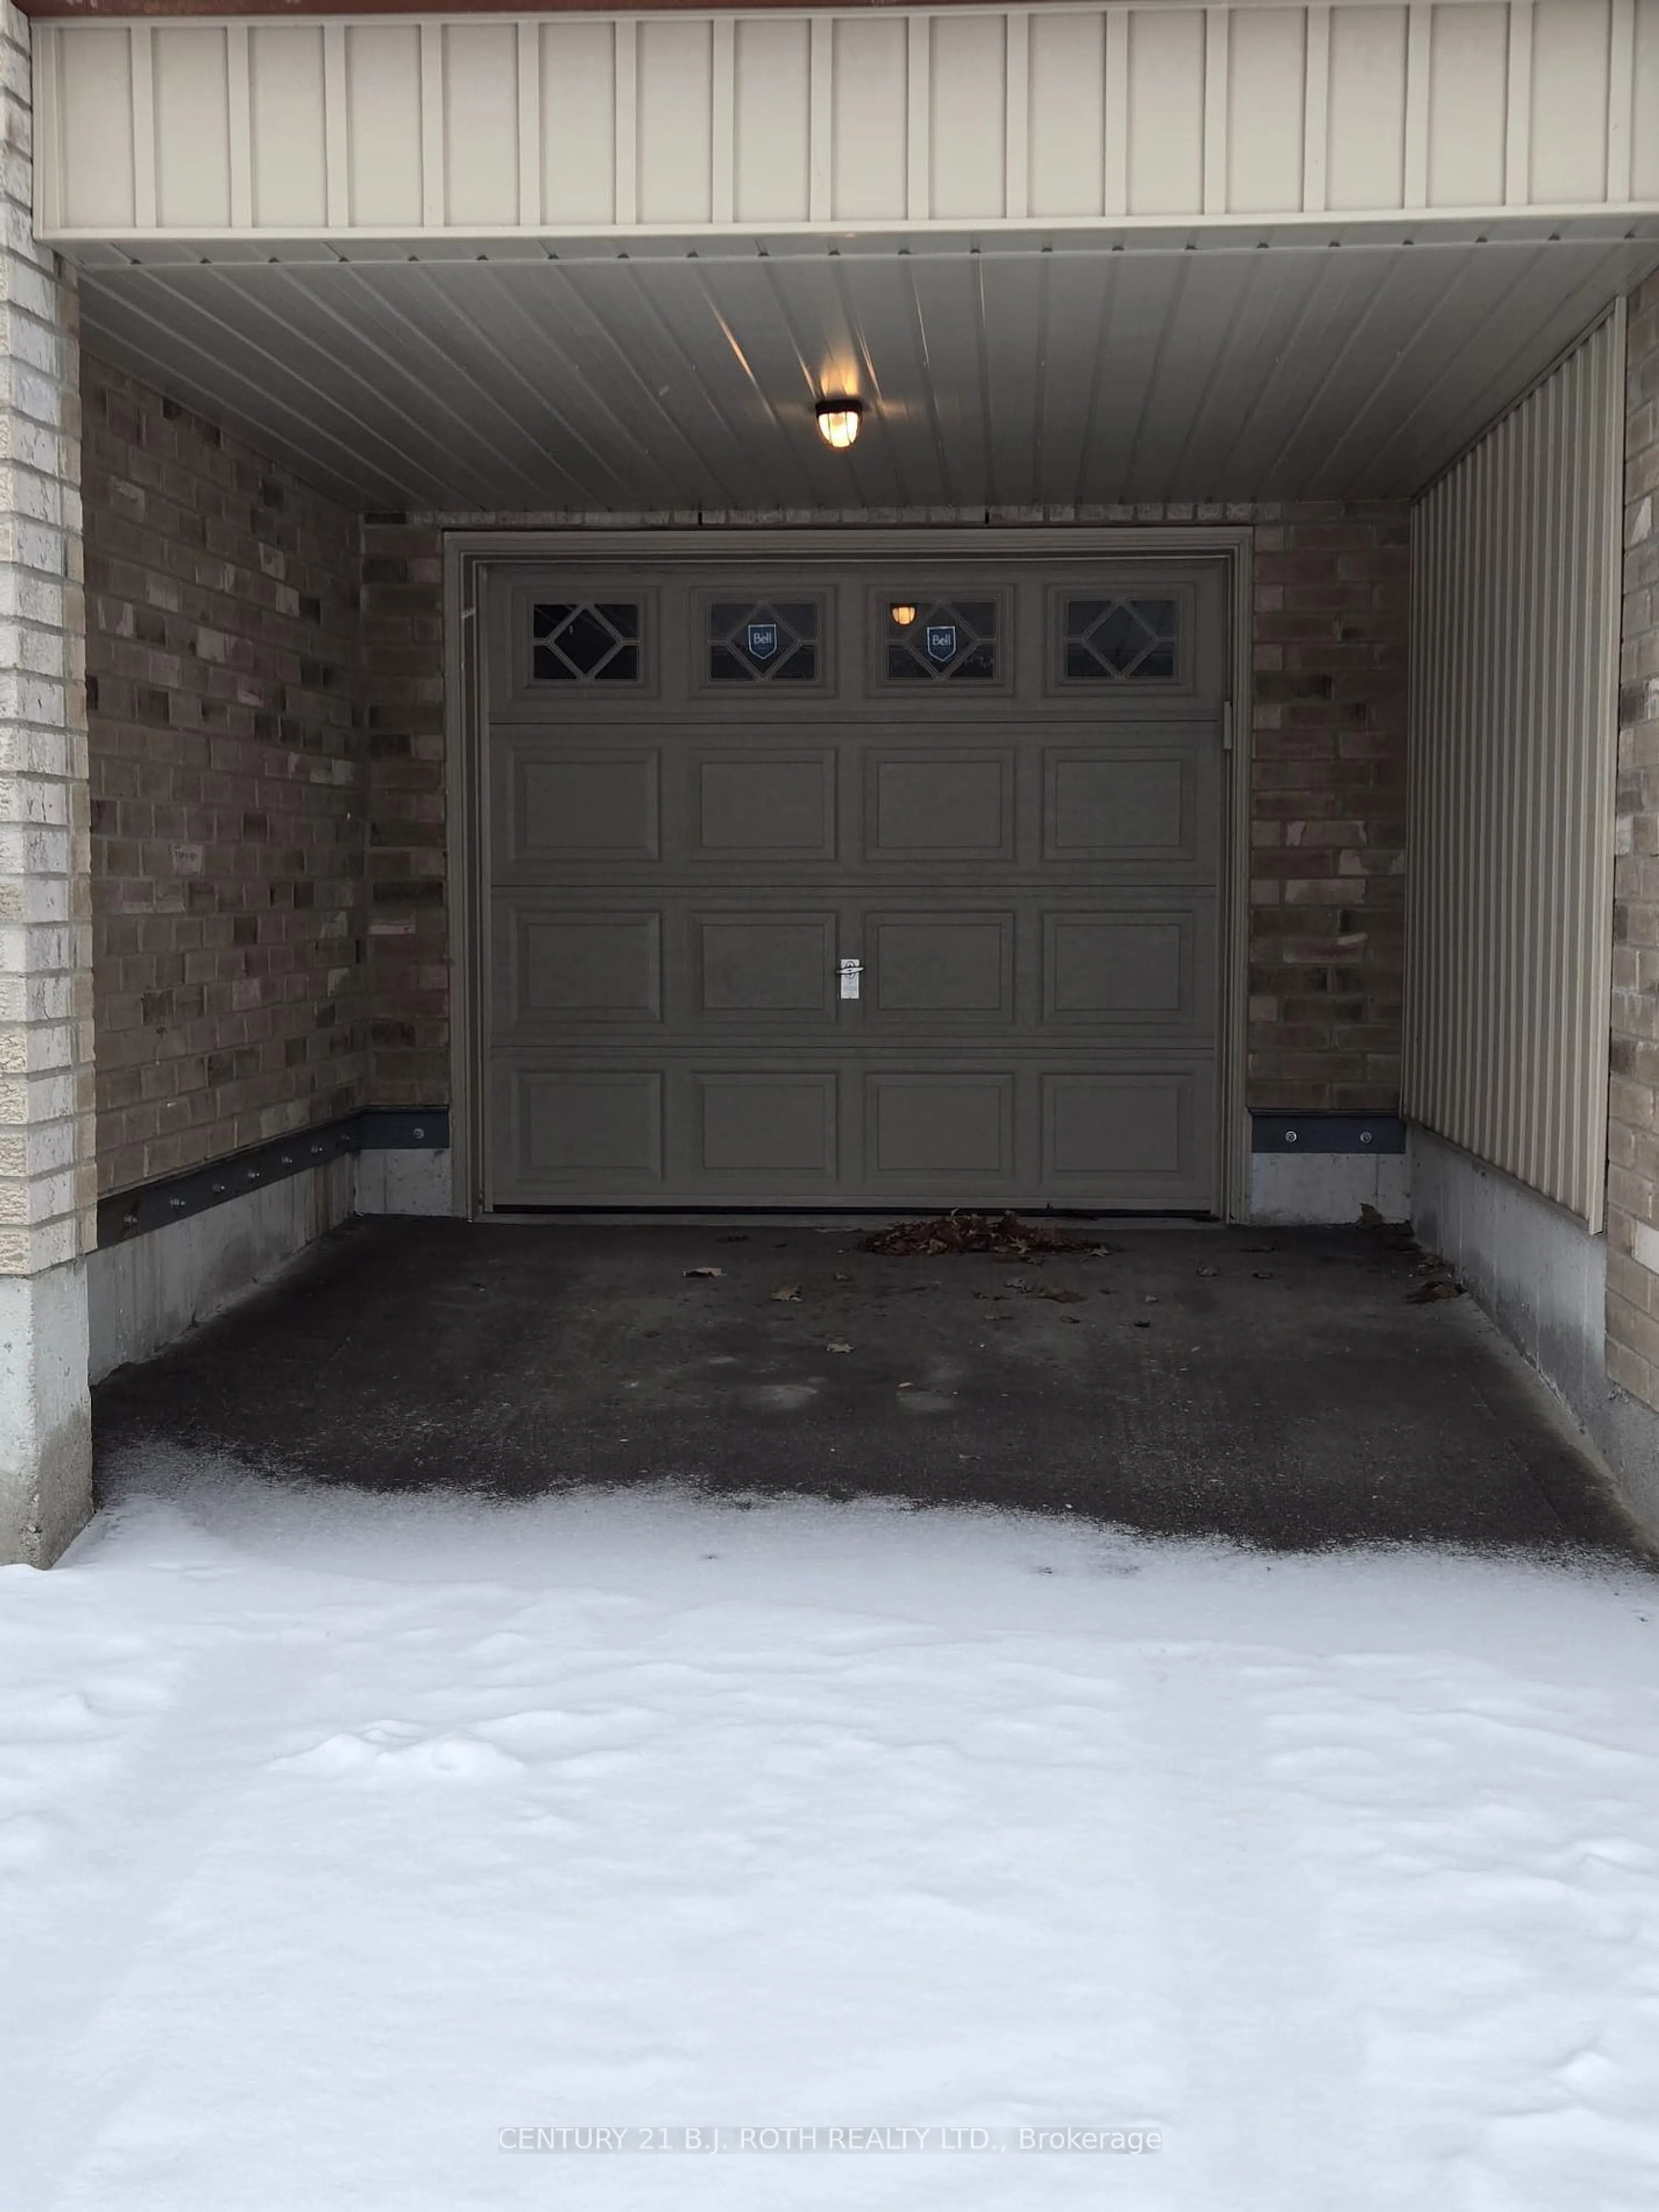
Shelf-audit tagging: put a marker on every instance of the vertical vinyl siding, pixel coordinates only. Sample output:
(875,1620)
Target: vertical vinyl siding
(1515,595)
(1121,115)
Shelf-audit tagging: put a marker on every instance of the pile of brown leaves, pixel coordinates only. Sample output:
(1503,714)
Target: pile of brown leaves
(1438,1282)
(1002,1235)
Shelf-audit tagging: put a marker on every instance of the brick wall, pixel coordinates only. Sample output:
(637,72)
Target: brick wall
(227,786)
(1328,879)
(1633,1102)
(1328,872)
(408,919)
(231,917)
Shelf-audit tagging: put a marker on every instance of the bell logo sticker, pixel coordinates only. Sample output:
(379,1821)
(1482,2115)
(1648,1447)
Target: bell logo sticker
(762,641)
(941,642)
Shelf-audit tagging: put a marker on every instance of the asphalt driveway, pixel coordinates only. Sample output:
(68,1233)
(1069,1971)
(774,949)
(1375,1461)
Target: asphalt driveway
(1283,1387)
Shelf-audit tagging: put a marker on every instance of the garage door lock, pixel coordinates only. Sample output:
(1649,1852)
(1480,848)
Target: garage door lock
(851,978)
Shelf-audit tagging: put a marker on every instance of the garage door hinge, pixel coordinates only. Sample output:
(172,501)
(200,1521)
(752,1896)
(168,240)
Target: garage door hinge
(1227,727)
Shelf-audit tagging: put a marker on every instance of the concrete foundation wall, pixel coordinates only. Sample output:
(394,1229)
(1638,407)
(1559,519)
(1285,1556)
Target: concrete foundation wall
(407,1182)
(46,1420)
(1542,1276)
(1288,1188)
(143,1293)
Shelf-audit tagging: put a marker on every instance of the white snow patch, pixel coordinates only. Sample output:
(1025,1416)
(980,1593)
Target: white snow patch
(338,1836)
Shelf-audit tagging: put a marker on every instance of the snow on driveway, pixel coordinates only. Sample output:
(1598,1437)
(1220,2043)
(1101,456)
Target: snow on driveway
(346,1844)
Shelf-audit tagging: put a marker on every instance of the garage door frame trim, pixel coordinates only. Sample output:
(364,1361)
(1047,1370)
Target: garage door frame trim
(469,554)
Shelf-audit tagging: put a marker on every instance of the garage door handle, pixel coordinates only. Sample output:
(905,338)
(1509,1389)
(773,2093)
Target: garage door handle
(851,978)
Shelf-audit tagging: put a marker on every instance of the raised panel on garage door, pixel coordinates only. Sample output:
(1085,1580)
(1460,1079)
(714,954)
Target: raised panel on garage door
(939,806)
(853,882)
(754,1125)
(1122,806)
(1137,967)
(556,807)
(923,1125)
(573,1131)
(766,967)
(770,806)
(932,966)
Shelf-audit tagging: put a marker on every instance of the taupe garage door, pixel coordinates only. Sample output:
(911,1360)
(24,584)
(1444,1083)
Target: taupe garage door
(884,883)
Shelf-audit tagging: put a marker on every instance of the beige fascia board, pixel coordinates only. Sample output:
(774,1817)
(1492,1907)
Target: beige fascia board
(1138,119)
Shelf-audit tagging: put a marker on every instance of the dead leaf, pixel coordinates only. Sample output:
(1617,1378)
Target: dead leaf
(841,1278)
(1065,1297)
(1143,1324)
(1261,1274)
(705,1271)
(1151,1298)
(1209,1271)
(836,1343)
(785,1291)
(1004,1235)
(1437,1287)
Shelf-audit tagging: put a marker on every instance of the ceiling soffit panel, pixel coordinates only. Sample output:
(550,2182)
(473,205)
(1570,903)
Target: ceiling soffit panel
(1015,384)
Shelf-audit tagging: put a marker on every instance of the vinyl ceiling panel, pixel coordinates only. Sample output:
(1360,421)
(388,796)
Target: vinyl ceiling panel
(1011,381)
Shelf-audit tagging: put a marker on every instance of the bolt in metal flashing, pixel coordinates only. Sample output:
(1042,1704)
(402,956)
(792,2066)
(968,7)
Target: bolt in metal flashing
(1327,1133)
(134,1213)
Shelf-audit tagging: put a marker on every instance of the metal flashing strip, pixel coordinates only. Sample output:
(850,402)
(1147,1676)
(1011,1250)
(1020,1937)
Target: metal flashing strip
(128,1213)
(1327,1133)
(402,1129)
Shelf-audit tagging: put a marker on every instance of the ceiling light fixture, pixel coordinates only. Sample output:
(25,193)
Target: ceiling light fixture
(838,421)
(902,617)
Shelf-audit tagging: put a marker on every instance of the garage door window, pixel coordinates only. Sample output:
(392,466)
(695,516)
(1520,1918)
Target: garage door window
(595,642)
(941,642)
(764,641)
(1120,641)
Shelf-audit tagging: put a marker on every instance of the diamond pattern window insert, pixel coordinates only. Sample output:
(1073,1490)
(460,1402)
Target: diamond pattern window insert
(1120,641)
(764,641)
(948,642)
(595,641)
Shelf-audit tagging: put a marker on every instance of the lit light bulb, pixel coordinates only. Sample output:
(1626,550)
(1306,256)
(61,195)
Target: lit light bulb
(838,421)
(902,617)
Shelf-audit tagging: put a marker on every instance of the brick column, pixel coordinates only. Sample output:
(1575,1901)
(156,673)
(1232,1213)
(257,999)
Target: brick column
(408,921)
(46,1171)
(1327,868)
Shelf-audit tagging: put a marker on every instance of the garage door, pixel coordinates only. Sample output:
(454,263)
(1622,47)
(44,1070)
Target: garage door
(883,883)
